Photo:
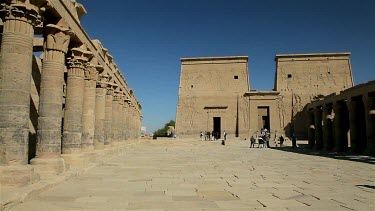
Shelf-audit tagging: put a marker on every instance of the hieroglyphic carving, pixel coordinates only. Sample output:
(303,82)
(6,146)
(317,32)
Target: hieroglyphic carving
(191,111)
(280,105)
(244,109)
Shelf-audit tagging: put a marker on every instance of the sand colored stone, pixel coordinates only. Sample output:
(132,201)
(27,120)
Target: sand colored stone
(347,119)
(19,21)
(186,175)
(48,99)
(215,94)
(100,112)
(108,116)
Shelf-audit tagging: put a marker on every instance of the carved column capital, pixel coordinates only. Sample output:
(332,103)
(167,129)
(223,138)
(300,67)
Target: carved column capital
(56,42)
(110,90)
(78,62)
(102,81)
(91,73)
(117,96)
(21,11)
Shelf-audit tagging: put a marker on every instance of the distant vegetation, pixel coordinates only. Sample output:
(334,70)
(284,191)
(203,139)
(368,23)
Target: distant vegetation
(163,132)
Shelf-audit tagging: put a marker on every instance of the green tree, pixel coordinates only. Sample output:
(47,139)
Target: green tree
(162,132)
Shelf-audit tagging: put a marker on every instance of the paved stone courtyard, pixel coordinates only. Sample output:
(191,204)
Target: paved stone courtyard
(200,175)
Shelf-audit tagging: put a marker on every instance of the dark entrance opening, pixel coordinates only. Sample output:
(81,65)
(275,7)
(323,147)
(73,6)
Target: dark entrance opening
(264,117)
(217,125)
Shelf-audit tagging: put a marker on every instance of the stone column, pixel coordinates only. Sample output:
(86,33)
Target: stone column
(108,117)
(355,136)
(311,129)
(48,159)
(369,103)
(328,139)
(127,122)
(130,122)
(88,116)
(19,20)
(72,132)
(121,119)
(101,91)
(115,119)
(340,131)
(318,128)
(126,119)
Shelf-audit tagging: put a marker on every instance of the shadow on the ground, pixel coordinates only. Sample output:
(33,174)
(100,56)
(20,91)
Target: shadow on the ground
(367,186)
(304,149)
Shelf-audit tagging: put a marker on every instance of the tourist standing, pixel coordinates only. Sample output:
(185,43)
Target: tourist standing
(252,142)
(294,141)
(225,135)
(281,139)
(201,136)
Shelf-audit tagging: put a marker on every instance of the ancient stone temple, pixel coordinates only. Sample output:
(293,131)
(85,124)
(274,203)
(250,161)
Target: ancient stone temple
(215,94)
(211,95)
(63,100)
(344,120)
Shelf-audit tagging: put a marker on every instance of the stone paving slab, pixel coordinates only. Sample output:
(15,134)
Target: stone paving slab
(203,175)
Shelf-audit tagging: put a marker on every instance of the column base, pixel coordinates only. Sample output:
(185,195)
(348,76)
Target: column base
(48,166)
(75,161)
(17,176)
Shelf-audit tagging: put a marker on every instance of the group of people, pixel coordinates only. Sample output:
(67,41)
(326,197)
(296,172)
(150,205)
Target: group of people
(264,139)
(213,136)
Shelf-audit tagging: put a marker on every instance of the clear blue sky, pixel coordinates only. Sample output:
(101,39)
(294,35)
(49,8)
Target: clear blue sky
(148,37)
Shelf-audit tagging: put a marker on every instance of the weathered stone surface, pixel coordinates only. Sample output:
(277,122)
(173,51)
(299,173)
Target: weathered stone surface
(211,87)
(100,112)
(19,21)
(72,135)
(146,178)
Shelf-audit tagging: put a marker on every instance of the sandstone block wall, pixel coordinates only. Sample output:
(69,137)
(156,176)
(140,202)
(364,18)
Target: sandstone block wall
(212,87)
(300,78)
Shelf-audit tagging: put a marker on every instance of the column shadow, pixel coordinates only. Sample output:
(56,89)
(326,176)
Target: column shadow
(305,150)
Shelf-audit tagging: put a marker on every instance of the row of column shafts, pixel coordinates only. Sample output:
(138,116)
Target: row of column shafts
(97,112)
(342,124)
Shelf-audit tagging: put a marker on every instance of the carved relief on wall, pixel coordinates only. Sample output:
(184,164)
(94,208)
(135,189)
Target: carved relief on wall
(281,106)
(191,111)
(297,103)
(244,111)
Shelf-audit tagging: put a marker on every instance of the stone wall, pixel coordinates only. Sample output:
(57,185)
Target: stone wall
(300,78)
(212,87)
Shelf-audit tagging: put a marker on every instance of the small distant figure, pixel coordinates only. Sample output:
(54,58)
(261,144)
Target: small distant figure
(223,142)
(213,135)
(294,141)
(268,139)
(281,140)
(260,142)
(225,135)
(201,135)
(252,142)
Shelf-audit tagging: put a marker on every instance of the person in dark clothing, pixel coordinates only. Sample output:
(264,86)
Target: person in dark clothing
(281,139)
(294,141)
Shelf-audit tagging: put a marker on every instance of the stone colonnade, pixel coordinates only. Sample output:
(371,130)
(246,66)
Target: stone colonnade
(345,121)
(84,106)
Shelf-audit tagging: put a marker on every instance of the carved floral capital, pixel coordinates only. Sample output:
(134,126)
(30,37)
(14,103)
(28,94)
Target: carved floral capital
(57,38)
(20,10)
